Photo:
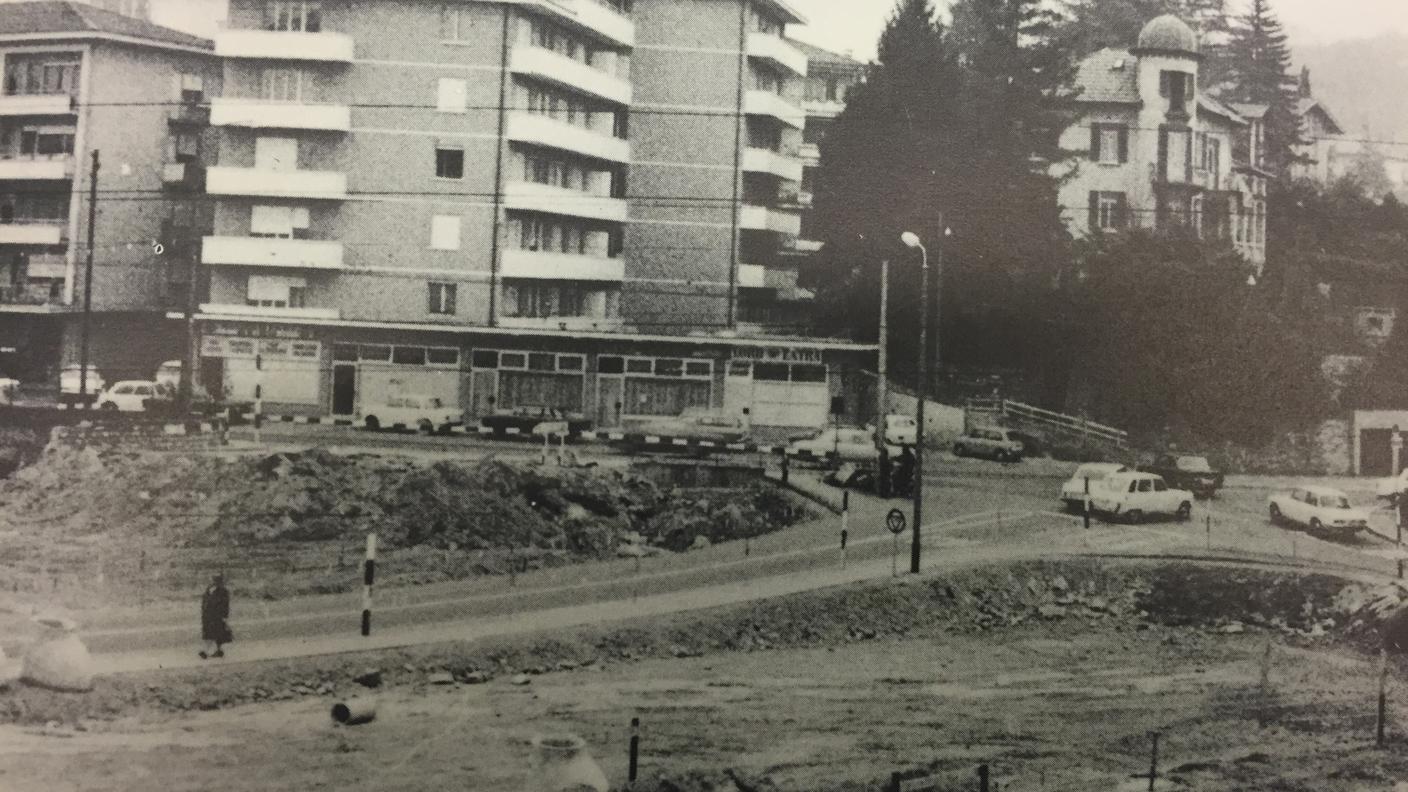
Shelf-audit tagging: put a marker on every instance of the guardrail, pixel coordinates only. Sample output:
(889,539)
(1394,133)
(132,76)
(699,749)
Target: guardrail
(1068,424)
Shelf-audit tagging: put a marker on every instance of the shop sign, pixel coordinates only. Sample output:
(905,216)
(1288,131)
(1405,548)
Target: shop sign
(778,354)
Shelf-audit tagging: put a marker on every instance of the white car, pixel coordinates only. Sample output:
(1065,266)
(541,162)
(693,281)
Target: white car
(847,444)
(1073,492)
(1134,496)
(71,380)
(1321,509)
(992,442)
(413,411)
(901,430)
(1393,486)
(128,396)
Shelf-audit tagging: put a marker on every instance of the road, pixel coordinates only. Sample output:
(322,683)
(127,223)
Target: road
(981,513)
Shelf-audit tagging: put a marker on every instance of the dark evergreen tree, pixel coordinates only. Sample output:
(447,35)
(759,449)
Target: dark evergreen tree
(1255,67)
(1096,24)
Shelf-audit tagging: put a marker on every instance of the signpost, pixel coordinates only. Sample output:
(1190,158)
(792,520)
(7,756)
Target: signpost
(896,523)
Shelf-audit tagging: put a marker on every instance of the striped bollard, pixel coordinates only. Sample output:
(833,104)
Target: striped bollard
(368,577)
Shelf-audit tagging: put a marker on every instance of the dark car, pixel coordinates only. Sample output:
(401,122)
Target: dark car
(1187,471)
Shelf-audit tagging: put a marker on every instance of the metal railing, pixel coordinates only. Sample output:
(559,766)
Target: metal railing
(1067,424)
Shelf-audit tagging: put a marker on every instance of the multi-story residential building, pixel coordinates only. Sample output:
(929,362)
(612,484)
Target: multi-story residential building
(830,78)
(138,9)
(509,205)
(78,80)
(1163,155)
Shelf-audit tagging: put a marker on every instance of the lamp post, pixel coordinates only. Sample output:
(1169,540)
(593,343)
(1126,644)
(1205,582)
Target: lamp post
(911,240)
(882,383)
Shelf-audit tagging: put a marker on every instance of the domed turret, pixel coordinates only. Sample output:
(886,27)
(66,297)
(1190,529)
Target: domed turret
(1169,35)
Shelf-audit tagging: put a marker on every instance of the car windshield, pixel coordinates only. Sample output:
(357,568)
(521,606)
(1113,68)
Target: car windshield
(1193,464)
(1334,501)
(1092,473)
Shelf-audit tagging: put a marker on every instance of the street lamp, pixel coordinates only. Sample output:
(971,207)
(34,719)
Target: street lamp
(911,240)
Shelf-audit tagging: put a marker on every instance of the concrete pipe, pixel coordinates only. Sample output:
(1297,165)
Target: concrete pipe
(354,711)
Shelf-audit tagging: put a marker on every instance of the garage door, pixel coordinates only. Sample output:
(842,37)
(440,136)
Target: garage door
(790,394)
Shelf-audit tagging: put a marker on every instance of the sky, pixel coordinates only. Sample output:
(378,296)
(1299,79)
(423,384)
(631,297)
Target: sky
(855,25)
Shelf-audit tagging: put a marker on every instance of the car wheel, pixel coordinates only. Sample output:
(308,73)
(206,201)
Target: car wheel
(1316,525)
(425,427)
(108,406)
(1134,516)
(1274,512)
(1185,512)
(372,423)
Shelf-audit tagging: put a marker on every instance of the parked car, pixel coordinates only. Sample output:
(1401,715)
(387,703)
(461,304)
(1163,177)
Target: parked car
(1391,487)
(526,419)
(71,382)
(698,423)
(991,442)
(128,396)
(1134,496)
(1074,492)
(844,443)
(413,411)
(901,430)
(1187,471)
(1321,509)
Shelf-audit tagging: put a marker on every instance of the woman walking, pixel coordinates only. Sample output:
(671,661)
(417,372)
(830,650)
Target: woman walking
(214,619)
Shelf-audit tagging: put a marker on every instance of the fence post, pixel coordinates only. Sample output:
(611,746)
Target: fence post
(368,578)
(1153,759)
(1085,505)
(784,467)
(635,750)
(982,778)
(1383,694)
(1209,527)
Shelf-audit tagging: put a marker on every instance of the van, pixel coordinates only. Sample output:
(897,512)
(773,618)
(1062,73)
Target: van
(901,430)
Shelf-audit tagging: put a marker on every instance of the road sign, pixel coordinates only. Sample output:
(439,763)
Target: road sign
(895,521)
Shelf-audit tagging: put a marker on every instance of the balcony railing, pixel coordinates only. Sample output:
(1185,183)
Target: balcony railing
(578,323)
(751,276)
(539,265)
(233,309)
(57,169)
(595,18)
(559,69)
(757,160)
(265,183)
(189,115)
(36,105)
(766,103)
(766,218)
(284,45)
(777,52)
(29,295)
(531,196)
(33,232)
(269,252)
(261,114)
(541,130)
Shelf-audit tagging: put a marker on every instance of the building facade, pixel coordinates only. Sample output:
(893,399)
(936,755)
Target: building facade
(1161,154)
(77,81)
(137,9)
(513,206)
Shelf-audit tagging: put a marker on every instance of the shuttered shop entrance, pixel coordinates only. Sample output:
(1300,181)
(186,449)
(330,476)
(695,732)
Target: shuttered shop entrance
(529,380)
(781,394)
(660,386)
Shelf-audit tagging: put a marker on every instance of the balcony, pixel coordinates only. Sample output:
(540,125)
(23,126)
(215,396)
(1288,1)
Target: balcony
(751,276)
(268,252)
(37,105)
(549,66)
(60,169)
(534,197)
(593,17)
(765,218)
(757,160)
(37,299)
(263,183)
(183,175)
(33,232)
(284,45)
(261,312)
(540,130)
(537,265)
(193,115)
(570,323)
(777,53)
(259,114)
(765,103)
(810,153)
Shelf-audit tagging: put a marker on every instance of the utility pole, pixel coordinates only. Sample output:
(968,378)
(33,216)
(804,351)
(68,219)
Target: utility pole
(88,280)
(923,395)
(883,381)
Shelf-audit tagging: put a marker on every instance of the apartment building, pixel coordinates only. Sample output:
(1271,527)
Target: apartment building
(513,206)
(79,80)
(1162,154)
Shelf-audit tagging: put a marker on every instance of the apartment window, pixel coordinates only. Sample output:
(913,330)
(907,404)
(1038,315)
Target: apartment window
(549,236)
(442,298)
(449,163)
(297,16)
(279,222)
(41,75)
(445,232)
(37,142)
(1107,211)
(767,81)
(833,90)
(281,85)
(543,300)
(1177,87)
(190,88)
(272,291)
(451,95)
(456,24)
(1109,143)
(1213,162)
(1196,211)
(1175,155)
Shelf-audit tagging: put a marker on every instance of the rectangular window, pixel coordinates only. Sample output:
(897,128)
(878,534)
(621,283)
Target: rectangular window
(610,364)
(513,360)
(455,24)
(295,16)
(271,221)
(445,232)
(484,359)
(1109,145)
(452,95)
(442,298)
(281,85)
(1214,162)
(408,355)
(1106,211)
(376,352)
(449,163)
(542,361)
(442,356)
(38,75)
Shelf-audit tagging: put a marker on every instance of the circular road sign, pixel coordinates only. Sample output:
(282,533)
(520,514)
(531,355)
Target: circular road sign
(895,521)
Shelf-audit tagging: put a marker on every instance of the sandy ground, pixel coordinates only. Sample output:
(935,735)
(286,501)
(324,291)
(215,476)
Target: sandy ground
(1064,706)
